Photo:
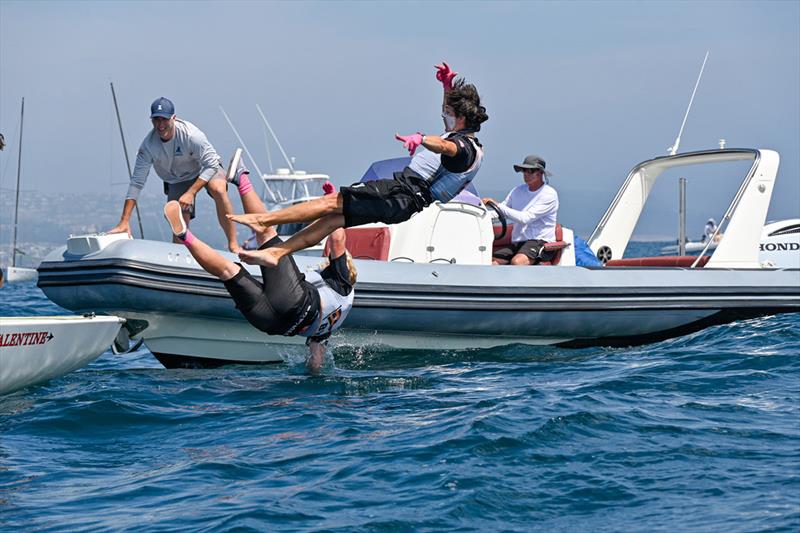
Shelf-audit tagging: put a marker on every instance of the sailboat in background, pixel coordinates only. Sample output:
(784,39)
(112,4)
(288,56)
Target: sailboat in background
(14,273)
(284,187)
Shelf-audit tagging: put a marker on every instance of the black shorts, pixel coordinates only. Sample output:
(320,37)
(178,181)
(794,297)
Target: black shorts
(175,190)
(530,249)
(389,201)
(283,305)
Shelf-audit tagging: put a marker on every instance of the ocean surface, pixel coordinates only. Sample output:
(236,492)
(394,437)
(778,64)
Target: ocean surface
(698,433)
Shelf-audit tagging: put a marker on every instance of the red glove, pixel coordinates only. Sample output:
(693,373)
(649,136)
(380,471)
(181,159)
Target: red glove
(445,75)
(410,142)
(328,187)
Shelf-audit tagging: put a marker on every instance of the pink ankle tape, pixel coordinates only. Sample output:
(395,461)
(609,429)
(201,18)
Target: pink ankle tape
(188,238)
(244,184)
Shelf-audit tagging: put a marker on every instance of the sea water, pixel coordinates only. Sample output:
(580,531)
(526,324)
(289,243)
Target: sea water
(698,433)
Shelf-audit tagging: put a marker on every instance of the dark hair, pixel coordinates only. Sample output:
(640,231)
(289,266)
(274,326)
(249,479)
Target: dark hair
(466,102)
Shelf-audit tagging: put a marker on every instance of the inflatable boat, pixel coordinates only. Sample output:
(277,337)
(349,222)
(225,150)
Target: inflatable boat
(428,283)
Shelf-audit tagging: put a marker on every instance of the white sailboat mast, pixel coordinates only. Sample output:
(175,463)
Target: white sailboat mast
(16,203)
(285,157)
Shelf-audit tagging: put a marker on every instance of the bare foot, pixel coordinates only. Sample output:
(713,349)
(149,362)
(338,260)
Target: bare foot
(268,257)
(251,220)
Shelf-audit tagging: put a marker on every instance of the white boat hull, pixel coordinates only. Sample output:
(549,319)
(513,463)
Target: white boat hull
(36,349)
(192,341)
(413,305)
(18,274)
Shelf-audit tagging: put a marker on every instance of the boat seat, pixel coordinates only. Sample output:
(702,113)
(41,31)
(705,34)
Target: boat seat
(552,249)
(366,243)
(684,261)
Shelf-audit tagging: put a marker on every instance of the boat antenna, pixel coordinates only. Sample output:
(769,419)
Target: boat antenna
(674,148)
(127,160)
(285,157)
(266,145)
(16,203)
(252,160)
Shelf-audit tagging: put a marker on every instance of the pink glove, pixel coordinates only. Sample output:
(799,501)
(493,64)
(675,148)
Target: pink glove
(445,75)
(328,187)
(410,142)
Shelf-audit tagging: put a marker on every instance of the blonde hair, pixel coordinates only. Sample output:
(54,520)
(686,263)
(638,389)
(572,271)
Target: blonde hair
(351,268)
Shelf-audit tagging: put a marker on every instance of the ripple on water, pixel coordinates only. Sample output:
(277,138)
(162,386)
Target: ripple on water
(694,433)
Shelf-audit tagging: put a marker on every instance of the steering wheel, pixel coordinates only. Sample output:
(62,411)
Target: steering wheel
(502,217)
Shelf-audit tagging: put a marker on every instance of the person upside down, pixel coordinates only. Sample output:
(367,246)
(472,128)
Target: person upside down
(285,302)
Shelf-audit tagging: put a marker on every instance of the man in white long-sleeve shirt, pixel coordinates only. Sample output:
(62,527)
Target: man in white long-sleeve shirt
(533,208)
(186,161)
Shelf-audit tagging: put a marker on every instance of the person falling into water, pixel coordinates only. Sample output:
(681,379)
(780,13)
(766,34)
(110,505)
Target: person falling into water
(285,302)
(438,172)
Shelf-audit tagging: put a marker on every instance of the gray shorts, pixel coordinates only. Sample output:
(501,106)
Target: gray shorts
(176,190)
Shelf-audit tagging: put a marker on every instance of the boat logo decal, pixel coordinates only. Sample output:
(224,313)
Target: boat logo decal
(783,246)
(25,339)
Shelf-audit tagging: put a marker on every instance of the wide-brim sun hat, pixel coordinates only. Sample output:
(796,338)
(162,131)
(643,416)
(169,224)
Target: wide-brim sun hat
(533,162)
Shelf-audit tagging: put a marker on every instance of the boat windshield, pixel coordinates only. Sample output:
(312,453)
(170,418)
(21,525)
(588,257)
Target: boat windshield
(283,190)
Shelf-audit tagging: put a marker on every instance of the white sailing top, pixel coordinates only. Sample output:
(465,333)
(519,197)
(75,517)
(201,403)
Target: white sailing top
(534,213)
(186,156)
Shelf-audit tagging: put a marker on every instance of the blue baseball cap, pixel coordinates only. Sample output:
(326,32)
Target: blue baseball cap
(162,107)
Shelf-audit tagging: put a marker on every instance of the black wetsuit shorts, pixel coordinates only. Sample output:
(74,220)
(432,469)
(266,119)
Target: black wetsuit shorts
(390,201)
(283,304)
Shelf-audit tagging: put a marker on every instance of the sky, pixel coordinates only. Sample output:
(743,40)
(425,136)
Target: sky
(592,87)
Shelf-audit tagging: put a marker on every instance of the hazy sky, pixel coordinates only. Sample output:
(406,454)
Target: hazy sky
(593,87)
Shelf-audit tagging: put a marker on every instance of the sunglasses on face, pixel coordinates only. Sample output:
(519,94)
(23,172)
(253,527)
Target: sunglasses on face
(530,170)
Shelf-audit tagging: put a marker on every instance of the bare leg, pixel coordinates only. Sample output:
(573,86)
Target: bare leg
(208,258)
(521,259)
(308,236)
(217,189)
(303,212)
(252,204)
(211,261)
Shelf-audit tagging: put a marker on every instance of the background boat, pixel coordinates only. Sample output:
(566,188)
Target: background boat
(36,349)
(14,273)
